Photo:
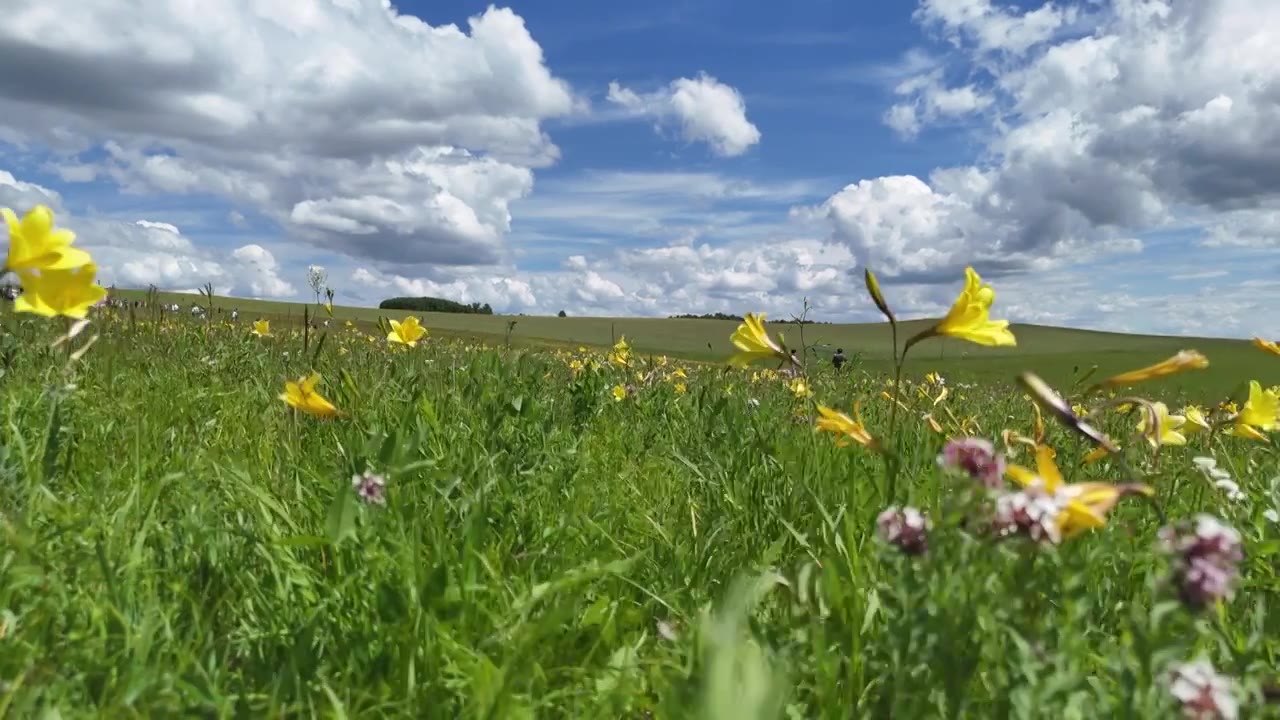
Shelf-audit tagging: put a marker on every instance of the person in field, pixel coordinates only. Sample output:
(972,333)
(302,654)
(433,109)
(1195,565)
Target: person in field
(837,360)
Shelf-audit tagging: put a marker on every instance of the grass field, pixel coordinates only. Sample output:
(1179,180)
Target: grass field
(564,534)
(1057,353)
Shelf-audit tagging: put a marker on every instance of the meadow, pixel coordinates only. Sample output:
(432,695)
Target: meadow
(492,531)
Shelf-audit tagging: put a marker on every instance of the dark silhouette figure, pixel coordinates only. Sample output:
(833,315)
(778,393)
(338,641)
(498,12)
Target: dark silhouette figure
(837,360)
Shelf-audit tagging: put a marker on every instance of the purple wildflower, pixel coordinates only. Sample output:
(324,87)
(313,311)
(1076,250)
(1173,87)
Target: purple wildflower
(906,528)
(974,458)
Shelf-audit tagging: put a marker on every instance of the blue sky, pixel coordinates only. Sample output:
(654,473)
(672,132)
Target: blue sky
(1104,163)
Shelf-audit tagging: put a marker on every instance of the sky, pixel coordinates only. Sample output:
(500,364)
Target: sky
(1108,164)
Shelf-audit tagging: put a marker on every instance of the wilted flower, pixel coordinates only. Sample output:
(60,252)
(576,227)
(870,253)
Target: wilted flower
(1206,555)
(975,458)
(1202,692)
(906,528)
(371,487)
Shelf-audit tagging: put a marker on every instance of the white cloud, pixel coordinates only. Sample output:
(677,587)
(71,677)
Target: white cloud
(994,28)
(1165,110)
(706,110)
(355,127)
(147,252)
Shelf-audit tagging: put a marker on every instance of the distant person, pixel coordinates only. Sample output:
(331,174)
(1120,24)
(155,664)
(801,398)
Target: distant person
(837,360)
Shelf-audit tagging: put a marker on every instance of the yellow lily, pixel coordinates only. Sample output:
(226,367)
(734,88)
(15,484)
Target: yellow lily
(1165,431)
(34,244)
(261,328)
(970,316)
(1267,345)
(1086,504)
(753,342)
(846,428)
(302,395)
(406,332)
(69,293)
(800,388)
(1185,360)
(1260,413)
(1196,420)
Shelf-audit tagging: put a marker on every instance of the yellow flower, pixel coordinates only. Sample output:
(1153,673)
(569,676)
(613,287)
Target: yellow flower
(1183,361)
(970,318)
(1166,430)
(619,393)
(1086,504)
(302,395)
(800,388)
(1267,345)
(406,332)
(1260,412)
(1196,420)
(621,355)
(35,245)
(678,373)
(51,293)
(753,342)
(845,427)
(680,388)
(261,328)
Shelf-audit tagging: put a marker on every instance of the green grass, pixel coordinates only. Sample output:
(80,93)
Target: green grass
(1058,353)
(175,542)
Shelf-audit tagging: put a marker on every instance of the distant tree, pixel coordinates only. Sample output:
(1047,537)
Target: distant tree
(561,314)
(434,304)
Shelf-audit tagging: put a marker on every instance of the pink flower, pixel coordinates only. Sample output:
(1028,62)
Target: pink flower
(371,487)
(906,528)
(1202,692)
(1206,556)
(974,458)
(1030,512)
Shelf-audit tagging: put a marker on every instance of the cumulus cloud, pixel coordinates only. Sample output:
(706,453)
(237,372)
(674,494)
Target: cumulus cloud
(1164,110)
(705,109)
(146,252)
(356,127)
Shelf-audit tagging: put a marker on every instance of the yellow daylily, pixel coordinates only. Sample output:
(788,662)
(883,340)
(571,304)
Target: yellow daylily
(261,328)
(800,388)
(34,244)
(1196,419)
(619,392)
(753,342)
(406,332)
(1260,413)
(302,395)
(1086,504)
(1267,345)
(680,388)
(1166,428)
(1185,360)
(845,428)
(69,293)
(970,316)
